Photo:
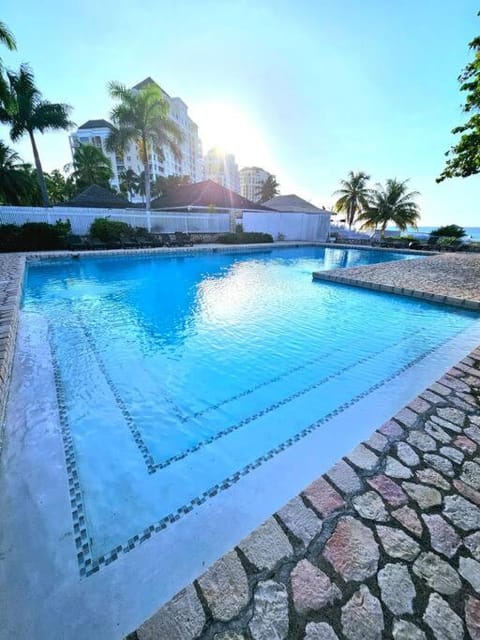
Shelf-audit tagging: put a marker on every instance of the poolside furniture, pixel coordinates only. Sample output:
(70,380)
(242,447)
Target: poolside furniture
(76,243)
(95,243)
(128,242)
(166,240)
(183,239)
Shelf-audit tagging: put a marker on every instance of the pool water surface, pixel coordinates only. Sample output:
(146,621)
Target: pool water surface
(178,376)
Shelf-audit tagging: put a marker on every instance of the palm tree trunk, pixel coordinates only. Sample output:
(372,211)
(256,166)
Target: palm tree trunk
(146,173)
(40,176)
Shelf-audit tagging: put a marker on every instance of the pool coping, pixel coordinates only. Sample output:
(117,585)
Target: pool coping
(465,303)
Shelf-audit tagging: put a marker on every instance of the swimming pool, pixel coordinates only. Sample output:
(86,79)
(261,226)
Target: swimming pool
(177,377)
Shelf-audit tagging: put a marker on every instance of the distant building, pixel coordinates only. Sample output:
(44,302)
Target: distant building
(96,132)
(222,169)
(251,180)
(293,203)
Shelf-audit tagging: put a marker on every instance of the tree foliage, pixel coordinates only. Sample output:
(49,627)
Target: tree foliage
(90,166)
(15,181)
(268,189)
(448,231)
(354,196)
(463,158)
(26,112)
(141,117)
(391,203)
(7,40)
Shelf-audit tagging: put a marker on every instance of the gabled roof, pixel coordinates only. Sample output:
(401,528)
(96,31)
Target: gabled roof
(97,124)
(292,202)
(98,197)
(204,194)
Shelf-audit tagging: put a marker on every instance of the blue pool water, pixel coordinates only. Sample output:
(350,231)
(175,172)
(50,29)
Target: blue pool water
(178,376)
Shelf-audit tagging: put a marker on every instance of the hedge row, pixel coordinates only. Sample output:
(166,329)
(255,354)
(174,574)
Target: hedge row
(34,236)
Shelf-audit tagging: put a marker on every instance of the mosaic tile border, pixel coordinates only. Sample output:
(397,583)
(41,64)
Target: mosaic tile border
(149,458)
(88,565)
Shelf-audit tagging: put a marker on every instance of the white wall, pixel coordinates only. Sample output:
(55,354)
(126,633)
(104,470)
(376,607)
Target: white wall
(293,226)
(82,218)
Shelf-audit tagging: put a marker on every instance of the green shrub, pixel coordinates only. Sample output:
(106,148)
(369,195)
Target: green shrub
(9,237)
(34,236)
(445,241)
(449,231)
(110,230)
(246,237)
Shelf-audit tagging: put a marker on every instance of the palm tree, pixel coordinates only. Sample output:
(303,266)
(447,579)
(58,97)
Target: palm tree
(90,166)
(60,188)
(354,196)
(391,203)
(15,180)
(141,118)
(268,189)
(129,183)
(7,39)
(26,112)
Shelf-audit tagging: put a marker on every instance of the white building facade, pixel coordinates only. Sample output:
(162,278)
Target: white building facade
(221,168)
(190,164)
(251,179)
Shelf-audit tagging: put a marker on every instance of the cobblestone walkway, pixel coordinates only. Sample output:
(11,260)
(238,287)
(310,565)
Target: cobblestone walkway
(11,276)
(385,545)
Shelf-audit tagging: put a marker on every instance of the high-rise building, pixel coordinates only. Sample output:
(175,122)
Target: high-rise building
(251,179)
(222,169)
(190,164)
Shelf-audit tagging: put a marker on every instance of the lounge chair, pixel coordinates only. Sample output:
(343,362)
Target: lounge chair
(95,243)
(183,239)
(76,243)
(128,242)
(166,240)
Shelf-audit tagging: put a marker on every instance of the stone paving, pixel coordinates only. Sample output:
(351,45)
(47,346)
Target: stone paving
(11,276)
(385,545)
(453,278)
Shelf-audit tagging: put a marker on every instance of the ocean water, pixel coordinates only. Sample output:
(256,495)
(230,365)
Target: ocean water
(472,232)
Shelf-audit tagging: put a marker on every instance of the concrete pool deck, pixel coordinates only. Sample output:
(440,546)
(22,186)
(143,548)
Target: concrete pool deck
(385,544)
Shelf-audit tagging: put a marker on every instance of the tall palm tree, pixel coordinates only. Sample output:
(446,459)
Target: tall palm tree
(268,189)
(354,196)
(141,117)
(15,180)
(27,112)
(391,203)
(129,183)
(90,166)
(6,39)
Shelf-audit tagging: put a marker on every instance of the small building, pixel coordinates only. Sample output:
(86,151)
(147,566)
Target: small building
(293,203)
(207,196)
(96,197)
(292,218)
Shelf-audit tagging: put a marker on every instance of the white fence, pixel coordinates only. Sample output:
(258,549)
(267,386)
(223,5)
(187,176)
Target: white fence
(82,218)
(290,226)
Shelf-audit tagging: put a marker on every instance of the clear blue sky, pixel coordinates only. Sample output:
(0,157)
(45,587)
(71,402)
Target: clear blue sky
(308,89)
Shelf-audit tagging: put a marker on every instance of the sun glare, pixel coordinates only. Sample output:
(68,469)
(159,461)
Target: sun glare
(231,129)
